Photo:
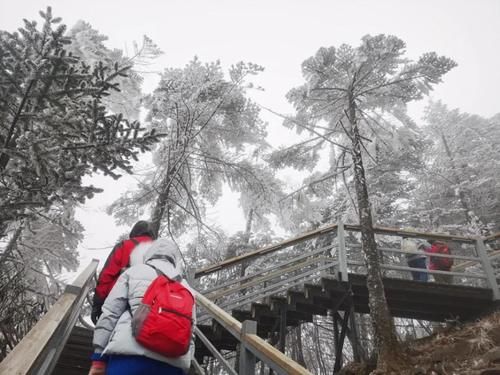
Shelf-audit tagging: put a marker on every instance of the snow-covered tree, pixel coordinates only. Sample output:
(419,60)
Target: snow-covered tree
(54,128)
(459,189)
(88,44)
(348,91)
(37,251)
(213,130)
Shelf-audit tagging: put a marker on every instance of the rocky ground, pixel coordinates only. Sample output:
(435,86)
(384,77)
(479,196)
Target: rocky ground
(471,349)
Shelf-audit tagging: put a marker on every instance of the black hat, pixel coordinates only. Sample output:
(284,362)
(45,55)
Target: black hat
(141,228)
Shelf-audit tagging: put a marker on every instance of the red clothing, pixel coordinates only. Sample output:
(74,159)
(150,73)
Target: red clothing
(439,263)
(117,261)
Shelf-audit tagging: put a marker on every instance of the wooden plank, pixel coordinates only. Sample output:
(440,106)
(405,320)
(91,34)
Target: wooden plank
(208,292)
(464,265)
(223,318)
(24,355)
(330,228)
(265,250)
(406,233)
(267,277)
(272,355)
(267,353)
(492,237)
(260,310)
(214,351)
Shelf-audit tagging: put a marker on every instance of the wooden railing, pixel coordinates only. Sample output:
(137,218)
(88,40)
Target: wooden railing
(473,263)
(324,251)
(252,347)
(265,250)
(39,350)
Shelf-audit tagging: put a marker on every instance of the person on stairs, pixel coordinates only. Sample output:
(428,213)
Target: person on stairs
(146,326)
(416,257)
(118,260)
(437,263)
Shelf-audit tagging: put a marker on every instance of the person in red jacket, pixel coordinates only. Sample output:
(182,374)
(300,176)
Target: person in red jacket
(440,263)
(118,260)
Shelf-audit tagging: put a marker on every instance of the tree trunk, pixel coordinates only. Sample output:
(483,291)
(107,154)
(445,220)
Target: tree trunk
(297,346)
(386,341)
(317,348)
(160,206)
(246,239)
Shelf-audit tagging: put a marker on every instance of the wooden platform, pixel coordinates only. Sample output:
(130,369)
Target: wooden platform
(406,299)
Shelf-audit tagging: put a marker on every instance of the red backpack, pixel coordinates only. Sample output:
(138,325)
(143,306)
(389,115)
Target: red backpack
(440,262)
(163,322)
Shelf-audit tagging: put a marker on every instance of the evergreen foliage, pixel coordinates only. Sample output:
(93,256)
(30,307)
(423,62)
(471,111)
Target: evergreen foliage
(214,133)
(54,128)
(459,188)
(346,91)
(37,252)
(89,45)
(62,95)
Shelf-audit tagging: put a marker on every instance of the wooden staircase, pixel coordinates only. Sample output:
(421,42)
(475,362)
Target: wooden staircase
(290,283)
(75,357)
(406,299)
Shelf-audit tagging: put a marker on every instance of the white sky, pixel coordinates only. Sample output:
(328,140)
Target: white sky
(279,35)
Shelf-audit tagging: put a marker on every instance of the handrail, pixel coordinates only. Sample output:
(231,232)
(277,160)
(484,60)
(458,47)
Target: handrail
(265,250)
(39,350)
(438,255)
(272,275)
(406,233)
(261,349)
(271,289)
(492,237)
(464,265)
(266,270)
(330,228)
(422,270)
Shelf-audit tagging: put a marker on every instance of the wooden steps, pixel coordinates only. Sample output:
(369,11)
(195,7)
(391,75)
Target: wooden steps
(406,299)
(75,358)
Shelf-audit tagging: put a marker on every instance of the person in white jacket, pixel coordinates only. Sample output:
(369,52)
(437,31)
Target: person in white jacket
(416,257)
(116,351)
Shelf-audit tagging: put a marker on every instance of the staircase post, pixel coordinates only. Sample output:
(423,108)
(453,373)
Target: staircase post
(488,268)
(353,335)
(342,251)
(247,358)
(340,341)
(282,340)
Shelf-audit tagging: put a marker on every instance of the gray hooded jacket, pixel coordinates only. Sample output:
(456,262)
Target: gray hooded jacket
(113,331)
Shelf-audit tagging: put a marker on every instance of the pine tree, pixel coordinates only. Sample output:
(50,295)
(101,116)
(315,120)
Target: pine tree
(89,45)
(346,90)
(213,131)
(54,128)
(459,188)
(37,252)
